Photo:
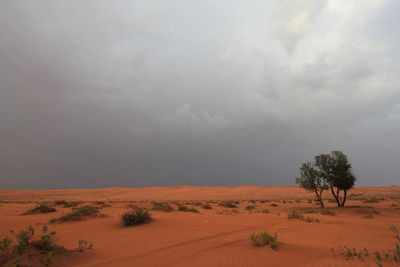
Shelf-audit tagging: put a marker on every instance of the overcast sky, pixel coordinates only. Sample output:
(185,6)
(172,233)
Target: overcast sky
(158,93)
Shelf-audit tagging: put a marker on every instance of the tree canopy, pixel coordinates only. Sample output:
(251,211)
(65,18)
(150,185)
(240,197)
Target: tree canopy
(331,171)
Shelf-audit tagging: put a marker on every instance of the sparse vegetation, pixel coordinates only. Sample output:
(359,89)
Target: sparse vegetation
(40,208)
(295,215)
(165,207)
(263,239)
(228,204)
(206,207)
(26,244)
(136,217)
(250,207)
(327,212)
(371,200)
(78,214)
(84,244)
(265,211)
(187,209)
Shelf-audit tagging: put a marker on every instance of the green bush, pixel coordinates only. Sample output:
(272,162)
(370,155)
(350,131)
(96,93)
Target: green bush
(46,242)
(136,217)
(264,238)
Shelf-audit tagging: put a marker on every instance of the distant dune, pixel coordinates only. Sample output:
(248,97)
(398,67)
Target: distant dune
(185,193)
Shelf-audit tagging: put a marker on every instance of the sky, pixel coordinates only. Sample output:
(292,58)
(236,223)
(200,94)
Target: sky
(213,93)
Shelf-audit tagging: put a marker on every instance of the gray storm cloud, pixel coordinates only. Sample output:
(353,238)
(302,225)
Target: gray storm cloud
(157,93)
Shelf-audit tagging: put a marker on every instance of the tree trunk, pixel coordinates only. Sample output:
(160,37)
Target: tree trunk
(344,197)
(319,197)
(336,196)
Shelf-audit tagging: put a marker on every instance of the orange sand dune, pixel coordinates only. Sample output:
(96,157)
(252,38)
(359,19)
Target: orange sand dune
(215,237)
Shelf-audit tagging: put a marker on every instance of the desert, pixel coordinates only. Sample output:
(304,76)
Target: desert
(213,235)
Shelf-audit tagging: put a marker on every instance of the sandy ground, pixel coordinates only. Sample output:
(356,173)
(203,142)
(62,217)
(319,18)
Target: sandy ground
(214,237)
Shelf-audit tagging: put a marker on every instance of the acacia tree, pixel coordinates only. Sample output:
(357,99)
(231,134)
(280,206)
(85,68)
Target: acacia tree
(334,172)
(311,180)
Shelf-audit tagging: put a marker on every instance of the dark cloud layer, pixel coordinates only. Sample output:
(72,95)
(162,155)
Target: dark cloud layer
(160,93)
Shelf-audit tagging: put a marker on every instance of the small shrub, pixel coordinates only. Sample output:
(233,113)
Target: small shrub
(60,202)
(309,219)
(295,215)
(250,207)
(49,258)
(371,200)
(78,214)
(136,217)
(84,244)
(187,209)
(46,242)
(206,207)
(5,249)
(264,238)
(368,216)
(23,238)
(265,211)
(327,212)
(274,205)
(40,208)
(71,204)
(165,207)
(331,200)
(227,204)
(102,204)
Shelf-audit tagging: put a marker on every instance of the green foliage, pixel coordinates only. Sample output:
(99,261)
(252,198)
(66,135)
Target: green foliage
(265,211)
(187,209)
(136,217)
(328,171)
(335,169)
(23,239)
(46,242)
(165,207)
(311,180)
(5,249)
(40,208)
(263,239)
(49,258)
(78,214)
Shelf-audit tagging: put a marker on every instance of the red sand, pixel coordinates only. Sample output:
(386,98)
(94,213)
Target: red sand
(209,238)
